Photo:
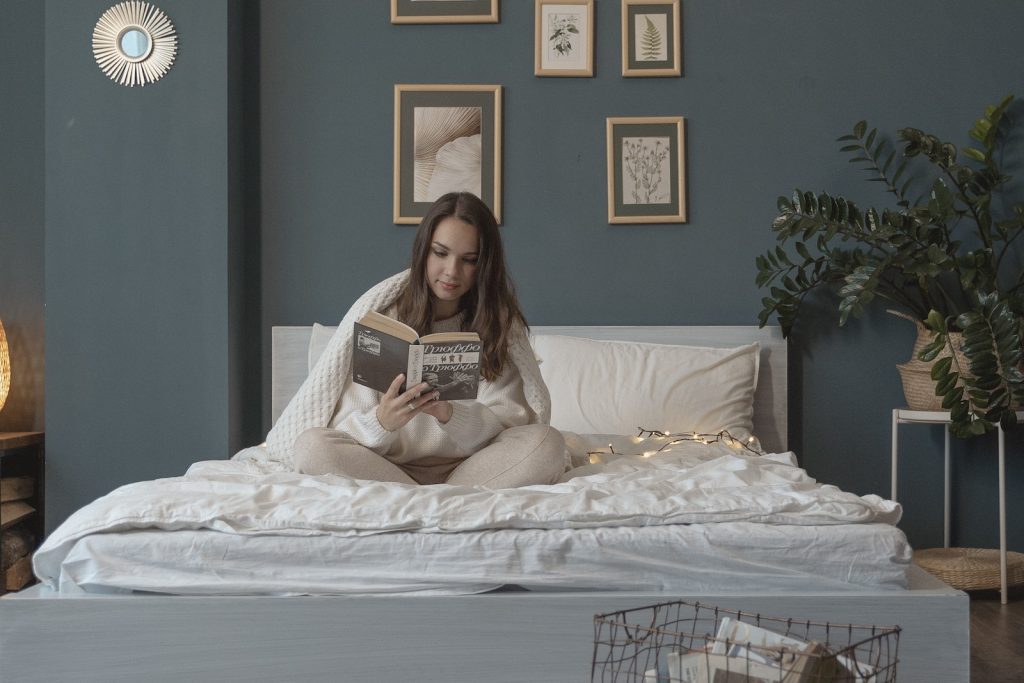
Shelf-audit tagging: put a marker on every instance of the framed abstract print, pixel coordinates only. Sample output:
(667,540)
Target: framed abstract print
(444,11)
(447,139)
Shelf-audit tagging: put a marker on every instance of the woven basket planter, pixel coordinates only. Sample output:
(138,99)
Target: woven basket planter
(970,568)
(918,385)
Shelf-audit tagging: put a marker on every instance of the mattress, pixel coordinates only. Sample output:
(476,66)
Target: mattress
(690,517)
(684,558)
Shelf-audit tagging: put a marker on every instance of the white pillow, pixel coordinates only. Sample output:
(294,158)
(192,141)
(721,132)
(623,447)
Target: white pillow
(610,387)
(318,341)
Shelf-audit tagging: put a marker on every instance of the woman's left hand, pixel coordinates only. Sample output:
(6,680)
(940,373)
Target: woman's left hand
(441,410)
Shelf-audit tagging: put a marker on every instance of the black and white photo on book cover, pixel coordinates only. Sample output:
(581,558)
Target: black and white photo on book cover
(453,369)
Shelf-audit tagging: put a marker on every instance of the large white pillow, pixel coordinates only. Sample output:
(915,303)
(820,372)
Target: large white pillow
(610,387)
(318,340)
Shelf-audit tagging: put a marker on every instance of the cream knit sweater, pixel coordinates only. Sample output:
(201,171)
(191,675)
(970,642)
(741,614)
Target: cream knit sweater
(317,400)
(499,405)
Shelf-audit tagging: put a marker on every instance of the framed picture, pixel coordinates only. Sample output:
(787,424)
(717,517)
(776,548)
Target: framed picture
(444,11)
(651,37)
(646,170)
(447,139)
(564,38)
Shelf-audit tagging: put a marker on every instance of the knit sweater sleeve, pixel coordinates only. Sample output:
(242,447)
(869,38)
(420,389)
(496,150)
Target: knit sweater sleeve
(357,416)
(499,405)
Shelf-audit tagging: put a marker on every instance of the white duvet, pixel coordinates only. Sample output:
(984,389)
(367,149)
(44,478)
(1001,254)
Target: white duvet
(686,483)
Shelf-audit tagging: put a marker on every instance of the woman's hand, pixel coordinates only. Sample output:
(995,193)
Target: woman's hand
(396,409)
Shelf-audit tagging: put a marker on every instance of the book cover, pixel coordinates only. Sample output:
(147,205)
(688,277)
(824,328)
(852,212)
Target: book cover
(378,357)
(452,368)
(384,348)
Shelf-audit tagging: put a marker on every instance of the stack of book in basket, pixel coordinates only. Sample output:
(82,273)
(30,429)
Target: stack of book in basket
(683,642)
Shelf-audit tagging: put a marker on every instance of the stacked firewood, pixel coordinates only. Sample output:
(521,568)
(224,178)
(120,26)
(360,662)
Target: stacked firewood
(16,537)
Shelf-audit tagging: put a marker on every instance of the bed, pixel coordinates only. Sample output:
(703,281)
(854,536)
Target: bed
(510,601)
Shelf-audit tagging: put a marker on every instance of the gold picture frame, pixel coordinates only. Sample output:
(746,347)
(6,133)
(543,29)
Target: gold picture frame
(646,169)
(651,38)
(447,139)
(444,11)
(563,38)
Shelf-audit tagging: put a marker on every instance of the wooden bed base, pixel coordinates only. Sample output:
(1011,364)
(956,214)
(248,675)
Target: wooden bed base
(509,636)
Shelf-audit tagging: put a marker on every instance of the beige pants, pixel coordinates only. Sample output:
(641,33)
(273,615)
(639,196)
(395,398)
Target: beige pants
(518,456)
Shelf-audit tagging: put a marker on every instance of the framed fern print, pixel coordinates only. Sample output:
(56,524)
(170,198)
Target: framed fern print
(564,38)
(651,38)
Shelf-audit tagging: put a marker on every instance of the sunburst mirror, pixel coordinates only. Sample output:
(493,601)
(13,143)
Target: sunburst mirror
(134,43)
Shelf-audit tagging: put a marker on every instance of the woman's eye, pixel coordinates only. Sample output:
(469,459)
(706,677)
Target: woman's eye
(439,254)
(470,261)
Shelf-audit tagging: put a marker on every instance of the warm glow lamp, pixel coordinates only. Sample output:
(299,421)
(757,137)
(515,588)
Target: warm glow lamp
(5,367)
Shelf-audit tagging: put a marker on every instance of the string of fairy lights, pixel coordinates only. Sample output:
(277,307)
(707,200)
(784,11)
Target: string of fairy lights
(724,437)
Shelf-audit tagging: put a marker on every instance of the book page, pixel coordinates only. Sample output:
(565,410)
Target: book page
(386,325)
(444,337)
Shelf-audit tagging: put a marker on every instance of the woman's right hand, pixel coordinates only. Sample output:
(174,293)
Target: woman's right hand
(396,409)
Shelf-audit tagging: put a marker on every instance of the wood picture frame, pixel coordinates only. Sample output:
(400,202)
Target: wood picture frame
(646,169)
(444,11)
(651,38)
(447,138)
(563,38)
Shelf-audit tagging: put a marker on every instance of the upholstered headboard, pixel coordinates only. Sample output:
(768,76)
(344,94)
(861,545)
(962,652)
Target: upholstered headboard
(290,358)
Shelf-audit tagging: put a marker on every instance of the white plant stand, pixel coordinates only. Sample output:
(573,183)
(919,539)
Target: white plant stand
(908,416)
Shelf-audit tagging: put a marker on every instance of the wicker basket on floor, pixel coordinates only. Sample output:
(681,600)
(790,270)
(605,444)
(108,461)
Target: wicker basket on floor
(970,568)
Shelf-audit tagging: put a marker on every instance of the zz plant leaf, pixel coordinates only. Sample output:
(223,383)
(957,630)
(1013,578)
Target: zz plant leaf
(950,259)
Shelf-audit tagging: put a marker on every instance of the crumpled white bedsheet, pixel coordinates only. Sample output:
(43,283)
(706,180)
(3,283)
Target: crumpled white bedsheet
(686,483)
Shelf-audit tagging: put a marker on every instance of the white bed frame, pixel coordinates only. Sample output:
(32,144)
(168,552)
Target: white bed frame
(503,636)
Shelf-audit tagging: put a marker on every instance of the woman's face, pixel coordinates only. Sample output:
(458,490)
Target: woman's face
(451,265)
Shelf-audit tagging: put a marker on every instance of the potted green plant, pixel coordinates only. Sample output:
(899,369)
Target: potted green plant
(945,258)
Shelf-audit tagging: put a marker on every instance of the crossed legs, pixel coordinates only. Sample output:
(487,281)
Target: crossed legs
(518,456)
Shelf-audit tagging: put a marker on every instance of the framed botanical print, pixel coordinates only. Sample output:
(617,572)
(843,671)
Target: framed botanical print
(646,169)
(651,38)
(444,11)
(564,38)
(447,139)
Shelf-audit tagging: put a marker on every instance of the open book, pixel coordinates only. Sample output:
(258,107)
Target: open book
(385,348)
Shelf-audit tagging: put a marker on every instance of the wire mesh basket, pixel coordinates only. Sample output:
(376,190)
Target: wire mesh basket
(689,642)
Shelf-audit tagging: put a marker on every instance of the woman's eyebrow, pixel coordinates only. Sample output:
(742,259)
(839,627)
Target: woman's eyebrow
(444,246)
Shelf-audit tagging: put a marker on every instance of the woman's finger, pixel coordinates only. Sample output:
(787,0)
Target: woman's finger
(396,384)
(413,393)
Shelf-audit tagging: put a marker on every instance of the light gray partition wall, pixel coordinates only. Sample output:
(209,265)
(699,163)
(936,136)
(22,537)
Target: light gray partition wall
(767,87)
(140,230)
(22,210)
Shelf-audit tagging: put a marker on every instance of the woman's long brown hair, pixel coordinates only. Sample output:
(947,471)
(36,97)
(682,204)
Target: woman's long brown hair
(490,307)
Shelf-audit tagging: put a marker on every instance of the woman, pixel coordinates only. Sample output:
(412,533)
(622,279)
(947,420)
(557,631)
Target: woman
(457,281)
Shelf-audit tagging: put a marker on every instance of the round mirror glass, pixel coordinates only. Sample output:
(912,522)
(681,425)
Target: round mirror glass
(134,43)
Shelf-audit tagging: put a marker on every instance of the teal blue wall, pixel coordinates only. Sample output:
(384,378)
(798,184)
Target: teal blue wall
(144,232)
(22,210)
(252,187)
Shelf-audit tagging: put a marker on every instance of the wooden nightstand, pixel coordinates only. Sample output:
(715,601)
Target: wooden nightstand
(22,471)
